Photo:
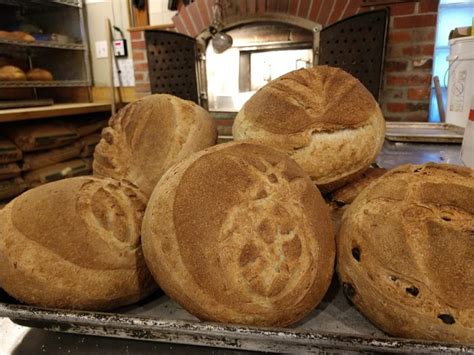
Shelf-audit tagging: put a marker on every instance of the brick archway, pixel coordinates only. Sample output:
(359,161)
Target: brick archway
(408,62)
(195,18)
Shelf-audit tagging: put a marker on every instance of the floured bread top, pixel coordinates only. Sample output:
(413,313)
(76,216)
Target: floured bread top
(322,99)
(238,233)
(83,219)
(75,244)
(406,251)
(148,136)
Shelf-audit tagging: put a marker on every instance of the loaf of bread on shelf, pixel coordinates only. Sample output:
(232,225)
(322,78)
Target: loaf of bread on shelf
(323,117)
(238,233)
(38,74)
(406,252)
(340,199)
(148,136)
(75,244)
(11,73)
(17,36)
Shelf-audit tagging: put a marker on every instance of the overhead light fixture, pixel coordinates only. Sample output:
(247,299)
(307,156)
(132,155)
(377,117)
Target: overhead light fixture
(221,41)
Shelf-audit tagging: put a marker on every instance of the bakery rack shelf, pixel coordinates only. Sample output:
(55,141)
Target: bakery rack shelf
(57,110)
(44,84)
(37,3)
(44,44)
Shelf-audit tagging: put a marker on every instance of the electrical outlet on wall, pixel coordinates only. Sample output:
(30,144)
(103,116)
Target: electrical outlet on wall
(101,50)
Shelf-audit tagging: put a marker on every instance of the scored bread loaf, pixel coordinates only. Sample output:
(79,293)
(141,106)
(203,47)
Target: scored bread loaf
(75,244)
(406,252)
(323,117)
(148,136)
(238,233)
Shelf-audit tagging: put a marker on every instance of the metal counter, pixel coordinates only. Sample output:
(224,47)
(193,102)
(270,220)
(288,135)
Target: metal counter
(169,323)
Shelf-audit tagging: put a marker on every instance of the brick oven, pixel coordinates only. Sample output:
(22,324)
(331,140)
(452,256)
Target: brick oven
(408,62)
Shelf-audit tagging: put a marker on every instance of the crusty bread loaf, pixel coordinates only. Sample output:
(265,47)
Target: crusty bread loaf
(148,136)
(11,73)
(406,252)
(75,244)
(322,117)
(340,199)
(38,74)
(238,233)
(17,36)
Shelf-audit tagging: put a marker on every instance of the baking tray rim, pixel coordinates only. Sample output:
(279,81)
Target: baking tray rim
(104,324)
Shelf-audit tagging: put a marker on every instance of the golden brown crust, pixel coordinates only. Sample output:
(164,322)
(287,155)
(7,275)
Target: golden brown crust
(322,117)
(12,73)
(406,252)
(75,244)
(148,136)
(238,233)
(17,36)
(38,74)
(321,99)
(340,199)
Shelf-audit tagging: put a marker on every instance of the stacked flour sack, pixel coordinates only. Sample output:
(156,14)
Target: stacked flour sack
(76,243)
(32,154)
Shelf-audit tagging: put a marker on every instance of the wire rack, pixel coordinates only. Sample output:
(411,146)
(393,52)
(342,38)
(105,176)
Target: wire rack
(44,84)
(43,44)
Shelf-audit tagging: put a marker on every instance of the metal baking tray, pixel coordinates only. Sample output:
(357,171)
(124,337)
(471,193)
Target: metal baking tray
(423,132)
(334,325)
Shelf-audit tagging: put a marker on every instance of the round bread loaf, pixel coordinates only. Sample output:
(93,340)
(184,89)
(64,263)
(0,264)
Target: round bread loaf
(38,74)
(11,73)
(17,36)
(323,117)
(406,252)
(340,199)
(238,233)
(148,136)
(75,244)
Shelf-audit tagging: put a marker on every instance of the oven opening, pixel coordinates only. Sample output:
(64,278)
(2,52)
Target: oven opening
(259,54)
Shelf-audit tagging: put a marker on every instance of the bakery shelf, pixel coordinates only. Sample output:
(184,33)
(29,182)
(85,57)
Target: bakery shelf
(36,3)
(44,84)
(44,44)
(57,110)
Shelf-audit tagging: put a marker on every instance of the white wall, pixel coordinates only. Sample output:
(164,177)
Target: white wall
(159,13)
(97,11)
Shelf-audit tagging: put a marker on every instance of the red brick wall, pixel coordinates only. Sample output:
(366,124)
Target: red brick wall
(409,61)
(408,67)
(140,64)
